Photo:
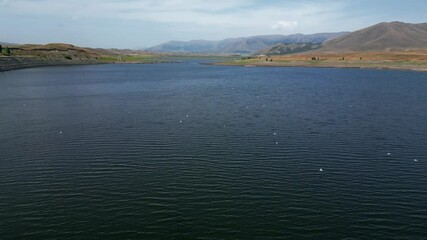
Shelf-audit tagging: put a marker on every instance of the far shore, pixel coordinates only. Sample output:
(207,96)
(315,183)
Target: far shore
(309,65)
(392,61)
(415,60)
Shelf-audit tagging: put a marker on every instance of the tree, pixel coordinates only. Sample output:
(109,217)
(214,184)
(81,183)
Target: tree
(1,49)
(7,51)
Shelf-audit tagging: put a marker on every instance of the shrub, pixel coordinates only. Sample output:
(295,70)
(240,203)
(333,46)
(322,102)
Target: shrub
(6,51)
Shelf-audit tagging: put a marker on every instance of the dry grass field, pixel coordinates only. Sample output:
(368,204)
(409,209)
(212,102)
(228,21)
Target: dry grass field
(409,60)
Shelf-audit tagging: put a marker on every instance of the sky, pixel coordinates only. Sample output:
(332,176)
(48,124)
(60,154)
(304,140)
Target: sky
(139,24)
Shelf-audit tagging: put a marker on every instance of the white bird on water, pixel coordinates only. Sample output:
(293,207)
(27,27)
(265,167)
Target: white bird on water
(274,134)
(60,132)
(321,170)
(180,121)
(415,160)
(388,154)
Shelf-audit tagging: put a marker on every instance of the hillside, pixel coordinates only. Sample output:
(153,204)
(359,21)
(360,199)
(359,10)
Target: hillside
(34,55)
(394,45)
(54,51)
(68,51)
(244,45)
(289,48)
(392,36)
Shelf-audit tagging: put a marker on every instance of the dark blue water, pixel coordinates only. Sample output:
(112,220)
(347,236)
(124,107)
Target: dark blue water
(189,151)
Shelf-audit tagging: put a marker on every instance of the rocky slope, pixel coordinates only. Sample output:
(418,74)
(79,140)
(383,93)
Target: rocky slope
(389,36)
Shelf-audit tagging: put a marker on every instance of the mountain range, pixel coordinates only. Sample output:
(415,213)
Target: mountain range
(386,36)
(243,45)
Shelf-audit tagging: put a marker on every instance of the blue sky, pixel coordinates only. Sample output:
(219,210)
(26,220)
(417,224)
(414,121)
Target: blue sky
(143,23)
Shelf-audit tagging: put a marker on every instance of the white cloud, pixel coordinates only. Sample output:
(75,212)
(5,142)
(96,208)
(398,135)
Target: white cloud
(286,25)
(225,13)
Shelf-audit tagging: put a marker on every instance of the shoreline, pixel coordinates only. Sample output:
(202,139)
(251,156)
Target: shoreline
(14,68)
(308,65)
(404,61)
(19,63)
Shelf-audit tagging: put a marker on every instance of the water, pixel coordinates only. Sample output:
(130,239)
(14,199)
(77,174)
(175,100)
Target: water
(108,152)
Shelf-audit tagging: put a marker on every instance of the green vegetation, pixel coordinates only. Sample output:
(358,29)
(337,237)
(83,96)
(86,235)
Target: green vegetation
(107,59)
(177,57)
(129,59)
(138,58)
(5,51)
(290,48)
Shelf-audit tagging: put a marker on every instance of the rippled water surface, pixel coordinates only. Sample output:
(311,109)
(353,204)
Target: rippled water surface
(189,151)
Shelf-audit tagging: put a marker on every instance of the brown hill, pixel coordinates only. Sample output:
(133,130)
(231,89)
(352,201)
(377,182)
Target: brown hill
(53,54)
(68,51)
(390,36)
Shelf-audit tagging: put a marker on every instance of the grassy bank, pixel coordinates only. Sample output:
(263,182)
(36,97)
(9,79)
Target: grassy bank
(378,60)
